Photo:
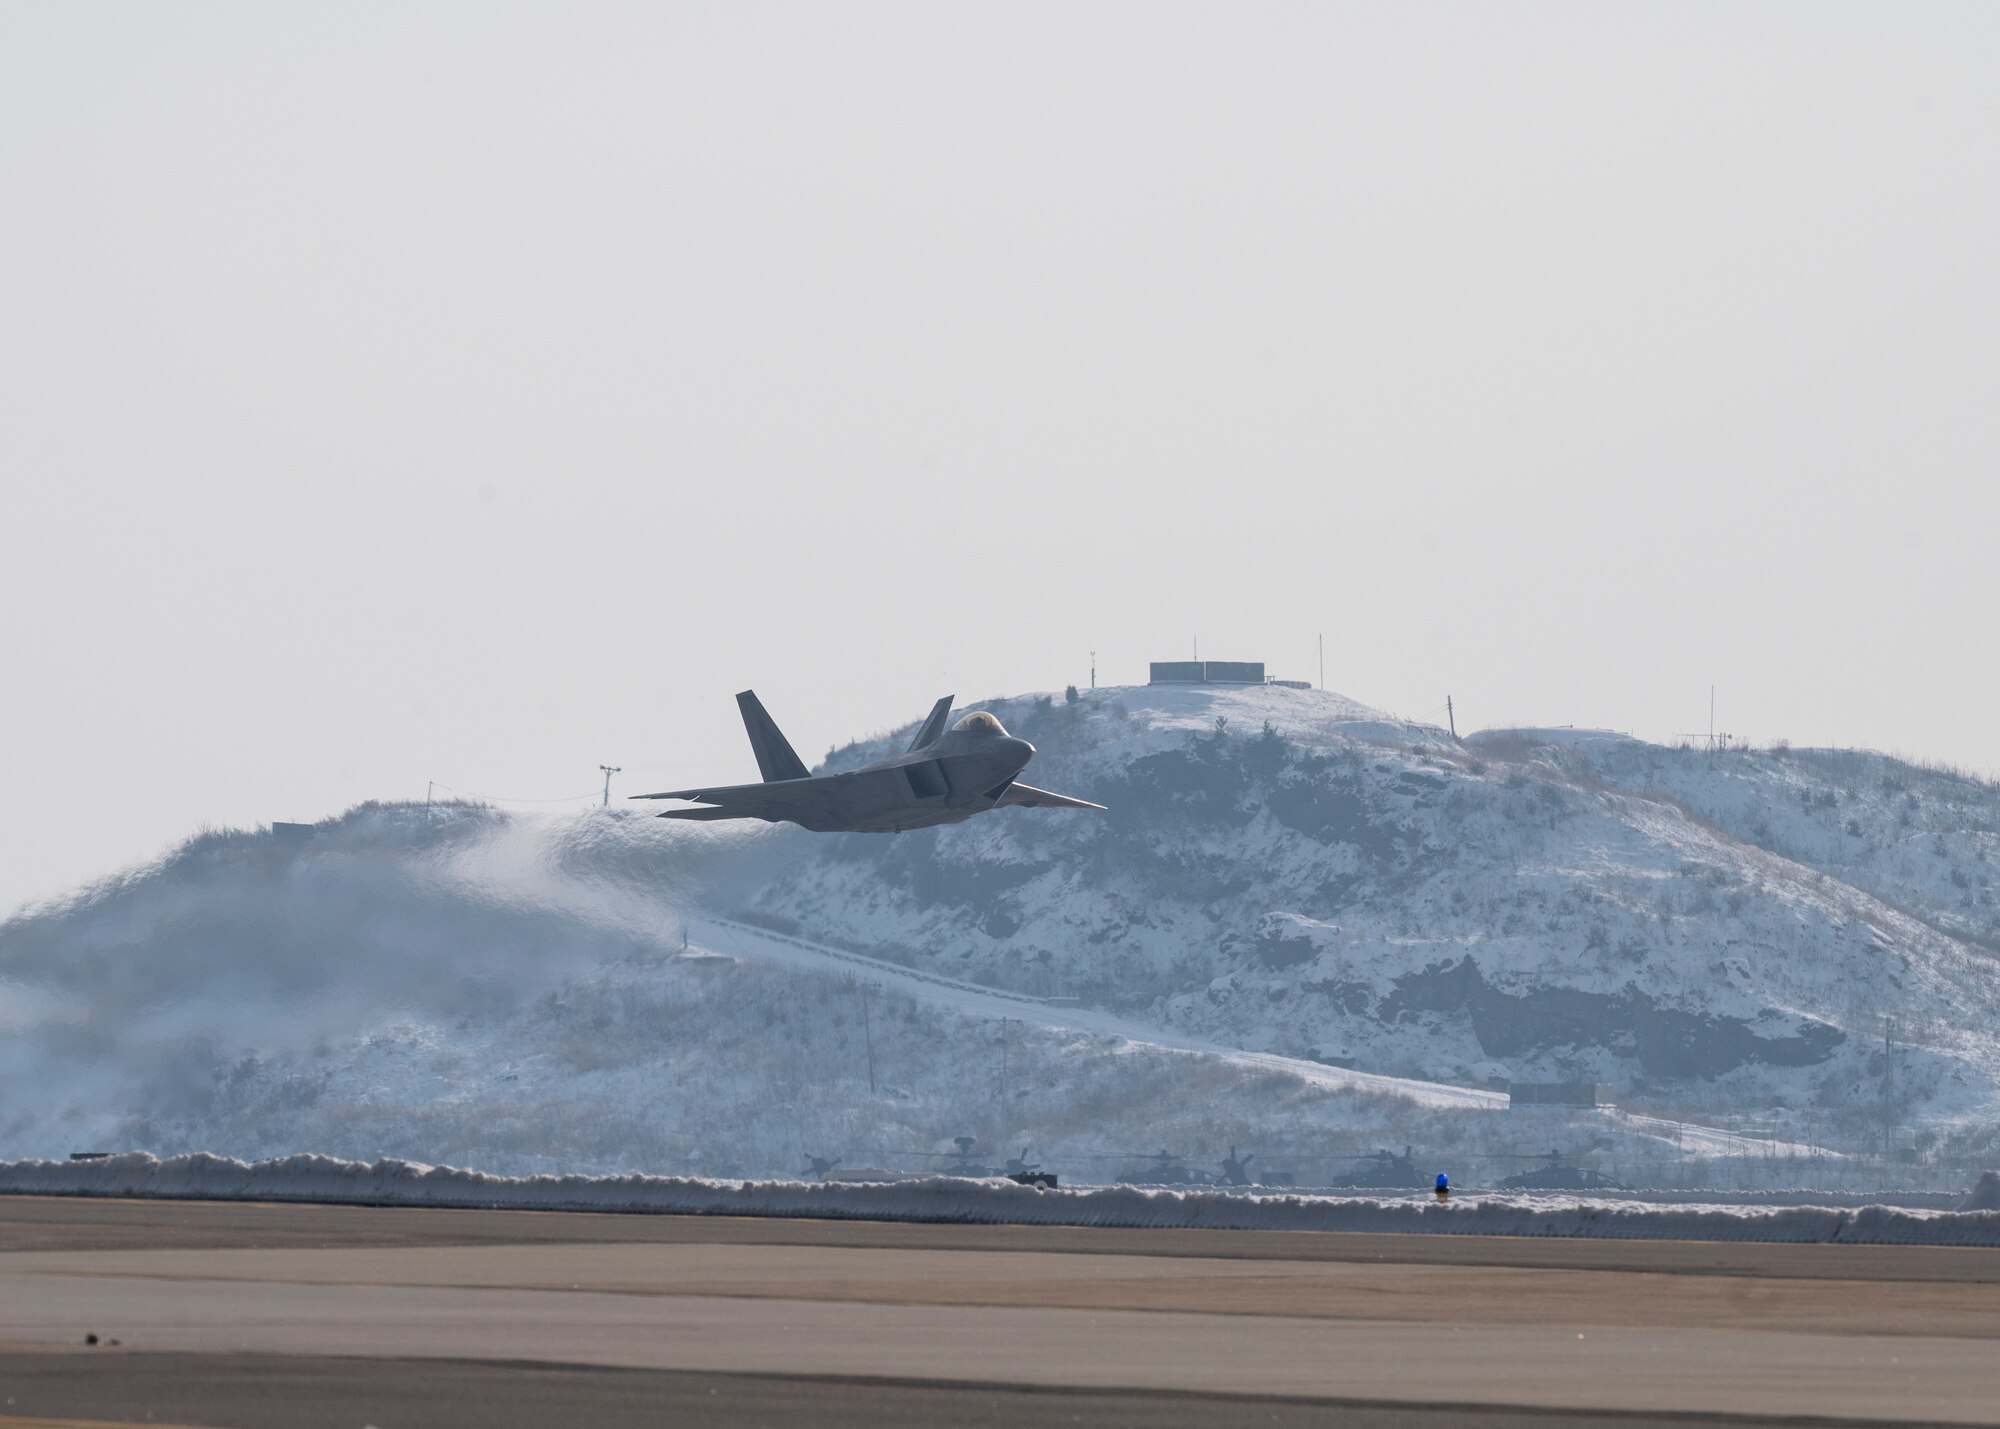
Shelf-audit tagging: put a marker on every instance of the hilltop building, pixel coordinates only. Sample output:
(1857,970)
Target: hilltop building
(1207,672)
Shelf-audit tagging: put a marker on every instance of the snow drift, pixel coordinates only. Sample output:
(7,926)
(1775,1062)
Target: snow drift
(945,1199)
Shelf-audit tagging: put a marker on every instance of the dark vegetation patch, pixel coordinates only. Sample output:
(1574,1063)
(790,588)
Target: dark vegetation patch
(1666,1042)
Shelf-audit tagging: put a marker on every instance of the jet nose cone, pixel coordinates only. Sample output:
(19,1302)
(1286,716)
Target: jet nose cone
(1021,747)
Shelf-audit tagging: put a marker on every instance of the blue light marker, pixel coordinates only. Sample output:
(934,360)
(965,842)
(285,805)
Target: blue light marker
(1443,1186)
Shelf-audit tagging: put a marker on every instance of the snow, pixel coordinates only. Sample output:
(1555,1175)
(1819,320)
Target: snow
(1558,736)
(972,1000)
(1195,708)
(1283,876)
(1435,890)
(326,1180)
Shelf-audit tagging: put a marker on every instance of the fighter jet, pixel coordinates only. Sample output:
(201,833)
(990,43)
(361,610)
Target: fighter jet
(945,777)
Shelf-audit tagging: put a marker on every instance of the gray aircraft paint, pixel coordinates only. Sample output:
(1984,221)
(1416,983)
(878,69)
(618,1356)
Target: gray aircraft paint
(945,777)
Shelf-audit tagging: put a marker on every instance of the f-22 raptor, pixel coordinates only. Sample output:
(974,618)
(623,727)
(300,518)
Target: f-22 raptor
(945,777)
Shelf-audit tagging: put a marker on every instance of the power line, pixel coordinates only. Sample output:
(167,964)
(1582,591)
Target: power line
(504,799)
(687,764)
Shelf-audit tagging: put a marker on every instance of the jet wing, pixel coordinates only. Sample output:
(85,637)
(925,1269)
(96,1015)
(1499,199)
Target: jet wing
(1029,797)
(827,802)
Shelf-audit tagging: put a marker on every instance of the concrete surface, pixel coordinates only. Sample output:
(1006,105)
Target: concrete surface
(231,1314)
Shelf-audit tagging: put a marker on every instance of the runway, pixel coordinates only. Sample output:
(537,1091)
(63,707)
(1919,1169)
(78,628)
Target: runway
(240,1314)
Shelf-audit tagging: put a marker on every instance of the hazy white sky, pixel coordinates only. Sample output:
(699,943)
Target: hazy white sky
(483,392)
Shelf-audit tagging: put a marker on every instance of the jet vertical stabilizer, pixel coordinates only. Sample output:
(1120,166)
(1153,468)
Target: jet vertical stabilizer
(775,757)
(933,725)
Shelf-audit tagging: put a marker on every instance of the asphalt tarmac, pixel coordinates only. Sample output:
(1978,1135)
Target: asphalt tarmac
(233,1314)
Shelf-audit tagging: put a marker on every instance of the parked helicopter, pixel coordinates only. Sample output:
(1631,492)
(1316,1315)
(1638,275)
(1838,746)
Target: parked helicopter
(1160,1168)
(1236,1172)
(1383,1170)
(1558,1173)
(1170,1168)
(827,1168)
(1017,1168)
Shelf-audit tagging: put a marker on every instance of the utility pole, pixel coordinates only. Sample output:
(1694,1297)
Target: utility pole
(609,770)
(1451,716)
(1322,663)
(1093,669)
(867,1034)
(429,785)
(1888,1084)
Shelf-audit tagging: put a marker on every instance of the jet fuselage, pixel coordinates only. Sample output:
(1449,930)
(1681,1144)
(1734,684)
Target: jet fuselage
(946,777)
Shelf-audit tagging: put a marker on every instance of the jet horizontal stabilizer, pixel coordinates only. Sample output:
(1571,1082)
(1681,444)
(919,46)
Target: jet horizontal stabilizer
(719,794)
(1027,796)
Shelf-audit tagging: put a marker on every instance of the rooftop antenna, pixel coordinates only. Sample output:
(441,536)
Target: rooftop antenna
(609,770)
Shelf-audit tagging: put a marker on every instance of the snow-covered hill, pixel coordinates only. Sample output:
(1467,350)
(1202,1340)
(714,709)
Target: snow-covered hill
(520,994)
(1286,871)
(1283,875)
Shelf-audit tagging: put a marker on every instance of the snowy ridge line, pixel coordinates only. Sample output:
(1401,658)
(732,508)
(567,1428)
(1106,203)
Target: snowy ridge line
(954,1200)
(825,950)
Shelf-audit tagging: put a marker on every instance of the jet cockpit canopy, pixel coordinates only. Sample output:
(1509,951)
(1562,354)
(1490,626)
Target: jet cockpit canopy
(980,722)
